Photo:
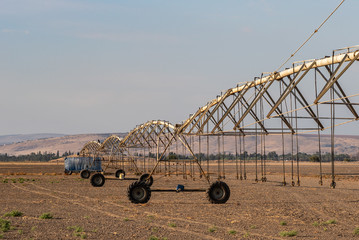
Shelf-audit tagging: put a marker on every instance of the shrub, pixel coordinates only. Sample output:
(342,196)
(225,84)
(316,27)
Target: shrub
(331,221)
(232,232)
(4,225)
(283,223)
(46,216)
(76,228)
(288,233)
(212,229)
(13,213)
(172,225)
(356,231)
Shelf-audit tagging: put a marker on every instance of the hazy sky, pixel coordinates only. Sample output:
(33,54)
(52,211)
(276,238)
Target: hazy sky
(106,66)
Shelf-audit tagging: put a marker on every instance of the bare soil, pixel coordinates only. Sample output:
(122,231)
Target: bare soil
(254,210)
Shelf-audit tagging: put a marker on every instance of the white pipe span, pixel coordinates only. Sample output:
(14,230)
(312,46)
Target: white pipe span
(276,76)
(154,122)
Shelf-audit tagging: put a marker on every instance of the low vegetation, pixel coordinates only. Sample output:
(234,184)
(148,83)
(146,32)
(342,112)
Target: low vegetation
(78,231)
(5,225)
(212,229)
(232,232)
(156,238)
(14,213)
(14,180)
(331,221)
(172,225)
(283,223)
(288,233)
(46,216)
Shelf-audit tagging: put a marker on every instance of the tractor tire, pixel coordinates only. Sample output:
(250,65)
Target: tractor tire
(97,180)
(139,192)
(85,173)
(144,178)
(218,193)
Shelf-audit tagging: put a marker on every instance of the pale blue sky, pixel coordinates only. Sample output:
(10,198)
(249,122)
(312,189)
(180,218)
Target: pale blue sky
(106,66)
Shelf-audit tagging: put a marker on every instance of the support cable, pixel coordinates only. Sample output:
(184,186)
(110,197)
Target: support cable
(315,31)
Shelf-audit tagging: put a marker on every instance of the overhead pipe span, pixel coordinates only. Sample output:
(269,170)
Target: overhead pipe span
(277,76)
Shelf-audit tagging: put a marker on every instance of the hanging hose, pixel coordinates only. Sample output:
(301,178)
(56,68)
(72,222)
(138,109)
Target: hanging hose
(284,182)
(296,130)
(207,152)
(292,140)
(236,149)
(219,158)
(333,184)
(319,144)
(256,131)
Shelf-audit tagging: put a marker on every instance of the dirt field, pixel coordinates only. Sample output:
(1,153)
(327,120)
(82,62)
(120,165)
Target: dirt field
(254,210)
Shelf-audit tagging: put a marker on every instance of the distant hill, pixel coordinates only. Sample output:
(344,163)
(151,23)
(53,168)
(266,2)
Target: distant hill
(9,139)
(62,143)
(308,143)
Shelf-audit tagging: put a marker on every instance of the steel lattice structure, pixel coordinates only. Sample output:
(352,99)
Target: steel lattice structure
(261,106)
(307,97)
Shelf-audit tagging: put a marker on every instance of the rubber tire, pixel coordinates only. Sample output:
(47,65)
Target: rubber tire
(139,192)
(118,172)
(97,180)
(218,193)
(149,181)
(85,173)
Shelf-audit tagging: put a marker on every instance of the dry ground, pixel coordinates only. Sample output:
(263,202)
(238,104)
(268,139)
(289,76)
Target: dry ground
(254,210)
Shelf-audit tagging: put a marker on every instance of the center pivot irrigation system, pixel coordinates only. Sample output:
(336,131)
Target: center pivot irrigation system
(305,98)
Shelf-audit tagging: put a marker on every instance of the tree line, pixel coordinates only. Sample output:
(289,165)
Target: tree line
(325,157)
(36,157)
(316,157)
